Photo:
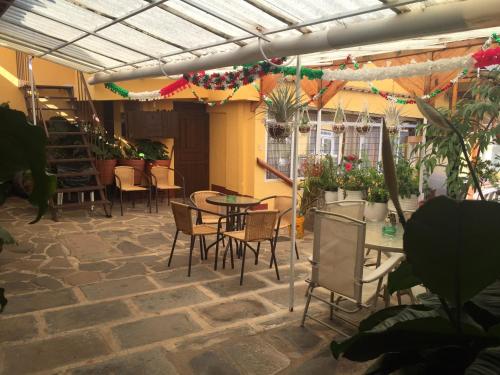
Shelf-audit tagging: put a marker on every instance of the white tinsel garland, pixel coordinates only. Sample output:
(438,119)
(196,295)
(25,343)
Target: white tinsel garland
(409,70)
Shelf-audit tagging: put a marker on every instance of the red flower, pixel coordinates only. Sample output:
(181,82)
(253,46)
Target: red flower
(487,58)
(351,158)
(348,166)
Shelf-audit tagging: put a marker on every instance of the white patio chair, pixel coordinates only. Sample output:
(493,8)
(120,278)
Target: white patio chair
(338,266)
(354,209)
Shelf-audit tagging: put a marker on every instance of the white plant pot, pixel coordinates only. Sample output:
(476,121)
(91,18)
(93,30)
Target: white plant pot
(407,204)
(331,196)
(350,195)
(375,211)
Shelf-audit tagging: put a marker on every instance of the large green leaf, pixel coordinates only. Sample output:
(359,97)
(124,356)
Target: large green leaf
(451,246)
(402,278)
(487,362)
(22,147)
(484,307)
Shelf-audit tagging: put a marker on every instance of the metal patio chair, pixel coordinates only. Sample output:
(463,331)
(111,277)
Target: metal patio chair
(338,266)
(162,178)
(124,180)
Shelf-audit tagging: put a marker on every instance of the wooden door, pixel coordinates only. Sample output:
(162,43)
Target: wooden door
(192,146)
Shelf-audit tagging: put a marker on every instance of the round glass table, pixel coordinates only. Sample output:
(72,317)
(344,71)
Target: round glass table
(374,239)
(233,204)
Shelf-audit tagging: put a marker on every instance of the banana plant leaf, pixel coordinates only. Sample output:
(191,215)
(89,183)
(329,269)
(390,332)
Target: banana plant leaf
(451,247)
(402,278)
(22,147)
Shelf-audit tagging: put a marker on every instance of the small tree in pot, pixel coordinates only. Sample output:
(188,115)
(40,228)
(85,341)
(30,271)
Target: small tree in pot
(329,178)
(377,195)
(155,153)
(133,158)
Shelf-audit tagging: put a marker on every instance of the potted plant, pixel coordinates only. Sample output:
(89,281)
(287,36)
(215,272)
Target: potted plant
(304,126)
(107,152)
(311,190)
(329,179)
(407,179)
(133,158)
(363,125)
(155,153)
(377,196)
(338,126)
(281,107)
(352,179)
(392,118)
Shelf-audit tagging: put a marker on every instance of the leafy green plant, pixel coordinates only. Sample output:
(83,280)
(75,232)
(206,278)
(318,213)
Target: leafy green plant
(311,185)
(105,148)
(22,147)
(450,248)
(376,192)
(282,103)
(329,174)
(128,150)
(152,150)
(407,178)
(474,127)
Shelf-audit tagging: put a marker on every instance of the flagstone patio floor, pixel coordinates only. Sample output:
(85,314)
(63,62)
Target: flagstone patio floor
(94,295)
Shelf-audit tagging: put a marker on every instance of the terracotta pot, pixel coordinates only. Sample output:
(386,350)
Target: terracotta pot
(375,211)
(157,163)
(331,196)
(299,226)
(106,170)
(138,165)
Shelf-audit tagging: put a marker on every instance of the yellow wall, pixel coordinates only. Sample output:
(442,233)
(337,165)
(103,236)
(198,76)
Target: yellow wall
(9,83)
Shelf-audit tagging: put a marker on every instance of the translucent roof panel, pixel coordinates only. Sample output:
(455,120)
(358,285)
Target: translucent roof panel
(113,35)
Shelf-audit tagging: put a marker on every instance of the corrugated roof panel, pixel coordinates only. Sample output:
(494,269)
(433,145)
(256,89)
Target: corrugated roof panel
(109,49)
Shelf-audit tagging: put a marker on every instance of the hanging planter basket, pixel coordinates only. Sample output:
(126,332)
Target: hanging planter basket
(338,128)
(392,120)
(279,131)
(364,123)
(304,126)
(339,120)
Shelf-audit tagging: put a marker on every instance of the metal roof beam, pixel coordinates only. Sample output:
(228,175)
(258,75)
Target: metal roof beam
(437,19)
(108,24)
(225,19)
(74,26)
(334,17)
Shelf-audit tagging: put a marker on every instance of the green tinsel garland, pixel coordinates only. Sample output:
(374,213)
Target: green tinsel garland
(117,89)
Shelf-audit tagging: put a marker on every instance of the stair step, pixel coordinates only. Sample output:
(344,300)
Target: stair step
(55,161)
(57,109)
(82,204)
(66,146)
(79,189)
(67,133)
(56,97)
(76,174)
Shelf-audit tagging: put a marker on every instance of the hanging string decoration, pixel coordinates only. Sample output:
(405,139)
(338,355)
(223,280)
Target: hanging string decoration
(214,103)
(117,89)
(174,87)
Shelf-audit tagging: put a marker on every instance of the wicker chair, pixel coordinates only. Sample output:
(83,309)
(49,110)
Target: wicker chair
(338,266)
(199,199)
(282,203)
(162,178)
(259,227)
(124,180)
(184,223)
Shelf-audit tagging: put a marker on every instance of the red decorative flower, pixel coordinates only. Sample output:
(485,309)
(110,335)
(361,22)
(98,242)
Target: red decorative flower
(487,58)
(348,166)
(351,157)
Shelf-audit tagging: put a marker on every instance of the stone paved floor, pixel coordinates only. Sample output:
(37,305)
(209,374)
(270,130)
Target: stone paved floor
(92,295)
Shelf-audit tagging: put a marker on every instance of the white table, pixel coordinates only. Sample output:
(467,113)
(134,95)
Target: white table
(374,238)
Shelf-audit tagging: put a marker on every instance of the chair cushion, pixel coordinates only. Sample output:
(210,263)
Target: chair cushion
(134,188)
(204,229)
(167,187)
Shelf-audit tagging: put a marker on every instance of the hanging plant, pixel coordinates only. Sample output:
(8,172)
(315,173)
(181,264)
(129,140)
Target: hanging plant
(281,107)
(392,118)
(304,126)
(363,124)
(338,126)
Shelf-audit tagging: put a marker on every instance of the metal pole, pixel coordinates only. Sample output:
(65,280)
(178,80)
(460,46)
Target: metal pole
(295,162)
(421,172)
(318,133)
(32,84)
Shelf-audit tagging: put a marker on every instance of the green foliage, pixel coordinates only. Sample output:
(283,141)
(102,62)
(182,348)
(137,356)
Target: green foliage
(152,150)
(128,150)
(105,148)
(329,174)
(475,119)
(407,178)
(22,147)
(282,103)
(311,185)
(376,190)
